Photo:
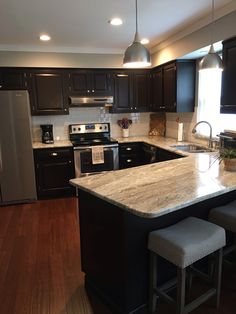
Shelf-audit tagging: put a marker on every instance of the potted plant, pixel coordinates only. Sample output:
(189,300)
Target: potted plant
(125,123)
(228,155)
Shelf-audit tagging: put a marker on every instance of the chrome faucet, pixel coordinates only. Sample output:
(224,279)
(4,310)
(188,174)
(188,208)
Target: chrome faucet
(210,137)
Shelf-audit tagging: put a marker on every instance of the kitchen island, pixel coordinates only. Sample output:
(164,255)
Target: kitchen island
(118,209)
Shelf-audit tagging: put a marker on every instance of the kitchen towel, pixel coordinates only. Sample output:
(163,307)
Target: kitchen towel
(97,155)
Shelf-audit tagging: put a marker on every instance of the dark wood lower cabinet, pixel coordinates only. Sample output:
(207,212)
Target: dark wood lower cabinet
(138,153)
(114,252)
(130,155)
(54,168)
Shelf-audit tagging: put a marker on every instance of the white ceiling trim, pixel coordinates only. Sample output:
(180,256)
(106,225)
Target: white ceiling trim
(195,26)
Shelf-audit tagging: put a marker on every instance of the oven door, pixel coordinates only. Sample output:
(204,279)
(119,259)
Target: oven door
(84,165)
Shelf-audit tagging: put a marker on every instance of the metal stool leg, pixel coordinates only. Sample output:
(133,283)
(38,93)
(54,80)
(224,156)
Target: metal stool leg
(181,277)
(153,283)
(217,275)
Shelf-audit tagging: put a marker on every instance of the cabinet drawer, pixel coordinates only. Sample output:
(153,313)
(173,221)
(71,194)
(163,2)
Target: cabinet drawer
(130,148)
(127,162)
(53,154)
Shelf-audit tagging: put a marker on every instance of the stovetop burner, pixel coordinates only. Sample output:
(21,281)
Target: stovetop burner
(94,142)
(90,134)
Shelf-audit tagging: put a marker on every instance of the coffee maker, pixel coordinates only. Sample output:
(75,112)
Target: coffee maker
(47,133)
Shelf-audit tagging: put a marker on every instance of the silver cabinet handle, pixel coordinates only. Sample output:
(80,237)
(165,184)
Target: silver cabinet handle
(128,148)
(122,75)
(88,90)
(54,154)
(129,160)
(92,90)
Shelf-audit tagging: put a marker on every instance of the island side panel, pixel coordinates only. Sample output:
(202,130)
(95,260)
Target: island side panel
(114,249)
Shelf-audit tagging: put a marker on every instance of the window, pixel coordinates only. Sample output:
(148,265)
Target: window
(209,92)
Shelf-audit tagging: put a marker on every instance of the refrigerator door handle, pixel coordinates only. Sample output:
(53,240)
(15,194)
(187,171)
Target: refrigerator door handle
(0,172)
(0,158)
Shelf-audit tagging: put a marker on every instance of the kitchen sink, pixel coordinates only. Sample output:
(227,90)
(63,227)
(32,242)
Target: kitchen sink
(192,148)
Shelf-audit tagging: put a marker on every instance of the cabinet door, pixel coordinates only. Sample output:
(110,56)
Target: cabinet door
(157,90)
(130,155)
(101,83)
(169,87)
(79,83)
(228,88)
(53,178)
(123,98)
(141,89)
(47,93)
(54,168)
(13,79)
(164,155)
(90,82)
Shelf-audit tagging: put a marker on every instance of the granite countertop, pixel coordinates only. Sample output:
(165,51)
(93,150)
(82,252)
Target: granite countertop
(38,145)
(160,188)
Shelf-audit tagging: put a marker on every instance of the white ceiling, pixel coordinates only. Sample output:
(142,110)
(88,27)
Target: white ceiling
(81,25)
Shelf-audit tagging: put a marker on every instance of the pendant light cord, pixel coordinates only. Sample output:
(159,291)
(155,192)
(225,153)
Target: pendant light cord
(136,8)
(212,19)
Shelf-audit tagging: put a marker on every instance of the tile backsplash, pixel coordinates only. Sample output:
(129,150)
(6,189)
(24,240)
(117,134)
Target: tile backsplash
(188,119)
(140,125)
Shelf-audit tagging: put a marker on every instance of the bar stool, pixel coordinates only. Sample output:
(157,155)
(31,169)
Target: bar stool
(183,244)
(225,216)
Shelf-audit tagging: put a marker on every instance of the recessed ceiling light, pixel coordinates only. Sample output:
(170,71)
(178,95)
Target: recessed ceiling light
(116,21)
(144,41)
(44,37)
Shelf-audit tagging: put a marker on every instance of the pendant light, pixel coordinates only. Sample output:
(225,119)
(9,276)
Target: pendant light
(212,60)
(136,55)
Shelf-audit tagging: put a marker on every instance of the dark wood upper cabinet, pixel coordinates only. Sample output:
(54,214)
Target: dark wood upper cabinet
(123,95)
(13,78)
(90,82)
(177,83)
(131,91)
(169,84)
(169,87)
(47,92)
(228,87)
(141,84)
(157,90)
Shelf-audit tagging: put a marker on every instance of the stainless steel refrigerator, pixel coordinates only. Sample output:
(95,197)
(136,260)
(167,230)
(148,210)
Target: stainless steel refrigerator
(17,176)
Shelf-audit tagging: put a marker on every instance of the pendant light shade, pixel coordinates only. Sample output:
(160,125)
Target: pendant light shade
(212,60)
(136,55)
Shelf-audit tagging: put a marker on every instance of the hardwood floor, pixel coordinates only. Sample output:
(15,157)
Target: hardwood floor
(40,263)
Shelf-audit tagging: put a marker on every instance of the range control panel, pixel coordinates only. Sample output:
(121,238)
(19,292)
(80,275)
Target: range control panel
(89,128)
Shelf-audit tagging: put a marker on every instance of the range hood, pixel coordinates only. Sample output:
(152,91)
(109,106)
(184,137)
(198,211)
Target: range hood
(91,101)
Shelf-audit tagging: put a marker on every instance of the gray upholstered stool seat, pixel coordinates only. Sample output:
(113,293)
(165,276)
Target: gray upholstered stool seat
(183,244)
(187,241)
(225,216)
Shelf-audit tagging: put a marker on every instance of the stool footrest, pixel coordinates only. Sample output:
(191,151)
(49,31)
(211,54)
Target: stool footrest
(165,297)
(200,274)
(201,299)
(229,249)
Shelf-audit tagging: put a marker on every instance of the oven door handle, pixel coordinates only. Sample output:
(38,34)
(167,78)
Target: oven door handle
(89,148)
